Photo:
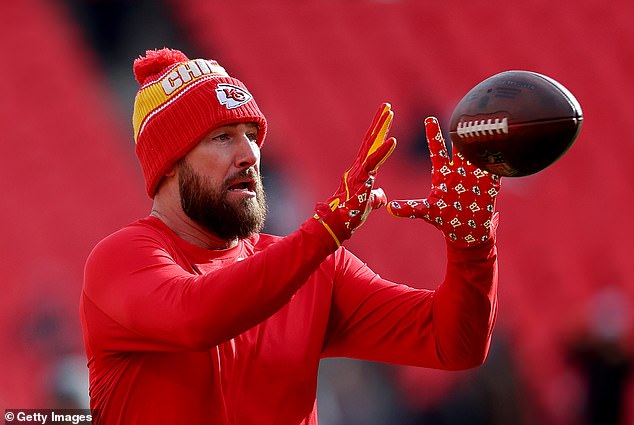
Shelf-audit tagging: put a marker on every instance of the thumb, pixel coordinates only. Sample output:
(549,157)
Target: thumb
(378,199)
(409,208)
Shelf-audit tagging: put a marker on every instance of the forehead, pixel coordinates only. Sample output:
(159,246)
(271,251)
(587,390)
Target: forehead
(249,126)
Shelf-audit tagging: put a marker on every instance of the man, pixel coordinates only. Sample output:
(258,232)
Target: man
(191,316)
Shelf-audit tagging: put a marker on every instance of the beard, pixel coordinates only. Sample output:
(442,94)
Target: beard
(209,206)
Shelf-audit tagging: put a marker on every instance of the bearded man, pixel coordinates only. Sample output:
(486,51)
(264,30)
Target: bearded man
(192,316)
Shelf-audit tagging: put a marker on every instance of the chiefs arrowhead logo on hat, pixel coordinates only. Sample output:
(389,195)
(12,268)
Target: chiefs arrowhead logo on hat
(232,96)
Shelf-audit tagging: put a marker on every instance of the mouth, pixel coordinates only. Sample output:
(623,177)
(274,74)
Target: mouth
(246,186)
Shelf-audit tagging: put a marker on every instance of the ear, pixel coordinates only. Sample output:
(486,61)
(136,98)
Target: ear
(168,180)
(171,172)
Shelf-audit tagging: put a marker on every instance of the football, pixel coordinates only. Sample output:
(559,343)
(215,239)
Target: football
(515,123)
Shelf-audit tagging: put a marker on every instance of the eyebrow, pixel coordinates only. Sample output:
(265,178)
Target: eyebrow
(251,124)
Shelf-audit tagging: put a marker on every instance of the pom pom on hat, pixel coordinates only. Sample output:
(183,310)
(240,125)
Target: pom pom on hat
(155,62)
(179,102)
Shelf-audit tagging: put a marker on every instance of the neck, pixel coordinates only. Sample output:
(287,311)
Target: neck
(190,231)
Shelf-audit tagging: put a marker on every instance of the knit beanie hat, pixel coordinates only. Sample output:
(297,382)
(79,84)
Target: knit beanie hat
(178,103)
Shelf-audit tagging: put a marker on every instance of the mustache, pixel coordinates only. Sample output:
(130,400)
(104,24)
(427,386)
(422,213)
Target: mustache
(249,173)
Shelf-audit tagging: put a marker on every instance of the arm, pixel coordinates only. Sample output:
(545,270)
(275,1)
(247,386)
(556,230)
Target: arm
(144,300)
(449,328)
(152,303)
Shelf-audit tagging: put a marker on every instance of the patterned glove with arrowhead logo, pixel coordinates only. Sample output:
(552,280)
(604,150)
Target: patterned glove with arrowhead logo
(351,204)
(462,199)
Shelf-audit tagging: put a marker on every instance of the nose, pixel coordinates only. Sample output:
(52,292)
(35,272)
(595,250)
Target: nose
(248,153)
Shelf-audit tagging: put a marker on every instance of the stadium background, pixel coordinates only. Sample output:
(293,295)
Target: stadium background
(318,70)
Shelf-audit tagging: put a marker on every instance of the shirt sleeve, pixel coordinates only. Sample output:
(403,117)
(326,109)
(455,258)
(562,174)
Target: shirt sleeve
(448,328)
(136,297)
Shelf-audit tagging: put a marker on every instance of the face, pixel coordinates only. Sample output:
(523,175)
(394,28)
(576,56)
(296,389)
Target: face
(220,185)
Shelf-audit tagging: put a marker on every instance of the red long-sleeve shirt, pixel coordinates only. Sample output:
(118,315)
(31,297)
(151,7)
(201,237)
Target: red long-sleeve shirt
(177,334)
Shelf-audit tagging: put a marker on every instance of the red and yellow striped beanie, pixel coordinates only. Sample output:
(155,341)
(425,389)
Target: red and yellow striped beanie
(179,102)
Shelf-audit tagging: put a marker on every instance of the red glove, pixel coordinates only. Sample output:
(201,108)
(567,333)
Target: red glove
(351,204)
(462,199)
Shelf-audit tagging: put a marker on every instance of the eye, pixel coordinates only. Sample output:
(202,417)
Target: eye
(253,136)
(221,137)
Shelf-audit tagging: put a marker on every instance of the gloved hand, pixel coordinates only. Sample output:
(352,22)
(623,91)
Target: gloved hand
(462,199)
(351,204)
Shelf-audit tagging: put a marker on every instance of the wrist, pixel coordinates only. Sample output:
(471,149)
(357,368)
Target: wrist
(476,246)
(330,221)
(324,231)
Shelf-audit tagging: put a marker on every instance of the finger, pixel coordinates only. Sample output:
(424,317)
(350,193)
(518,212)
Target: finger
(409,208)
(458,158)
(436,142)
(460,164)
(377,132)
(495,221)
(378,199)
(382,128)
(371,143)
(379,156)
(382,117)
